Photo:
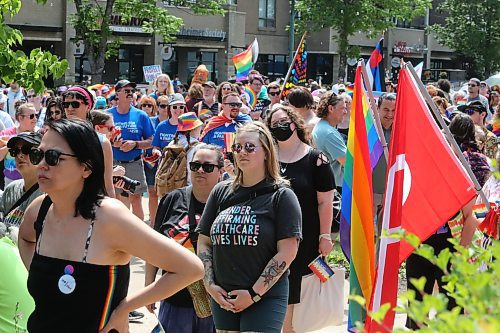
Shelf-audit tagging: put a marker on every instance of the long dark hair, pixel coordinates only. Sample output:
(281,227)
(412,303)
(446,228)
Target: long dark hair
(463,130)
(302,130)
(83,141)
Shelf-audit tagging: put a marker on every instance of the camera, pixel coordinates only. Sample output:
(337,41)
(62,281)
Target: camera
(129,184)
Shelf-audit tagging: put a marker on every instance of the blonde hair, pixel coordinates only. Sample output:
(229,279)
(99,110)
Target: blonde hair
(170,89)
(271,161)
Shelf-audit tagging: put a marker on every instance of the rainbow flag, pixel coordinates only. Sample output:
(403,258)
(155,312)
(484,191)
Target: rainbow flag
(245,60)
(298,75)
(357,216)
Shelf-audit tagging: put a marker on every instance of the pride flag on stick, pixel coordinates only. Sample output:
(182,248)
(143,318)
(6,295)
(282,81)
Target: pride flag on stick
(245,60)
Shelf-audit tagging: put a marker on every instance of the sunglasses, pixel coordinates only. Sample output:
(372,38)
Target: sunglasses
(177,107)
(248,147)
(31,96)
(274,93)
(146,106)
(127,91)
(207,167)
(31,116)
(472,85)
(51,156)
(470,112)
(74,104)
(163,106)
(55,113)
(110,128)
(226,88)
(281,122)
(16,150)
(234,105)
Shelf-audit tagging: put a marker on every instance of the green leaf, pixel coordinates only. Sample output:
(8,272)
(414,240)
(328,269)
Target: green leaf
(419,283)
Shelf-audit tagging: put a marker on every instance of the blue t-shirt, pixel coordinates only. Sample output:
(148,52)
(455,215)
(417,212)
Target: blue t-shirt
(135,125)
(164,134)
(329,140)
(216,135)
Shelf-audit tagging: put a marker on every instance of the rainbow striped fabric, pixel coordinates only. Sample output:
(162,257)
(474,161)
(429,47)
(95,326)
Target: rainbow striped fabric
(107,310)
(357,217)
(298,75)
(245,60)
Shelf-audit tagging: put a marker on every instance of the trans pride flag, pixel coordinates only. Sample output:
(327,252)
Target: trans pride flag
(245,60)
(357,217)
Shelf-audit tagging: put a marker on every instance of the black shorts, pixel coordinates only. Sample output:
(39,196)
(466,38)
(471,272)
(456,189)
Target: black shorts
(267,315)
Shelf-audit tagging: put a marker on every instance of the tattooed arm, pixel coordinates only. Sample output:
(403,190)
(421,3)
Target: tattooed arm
(205,254)
(287,250)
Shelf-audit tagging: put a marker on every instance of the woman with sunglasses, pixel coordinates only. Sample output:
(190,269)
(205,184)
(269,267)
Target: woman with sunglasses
(312,180)
(26,118)
(148,105)
(178,214)
(249,234)
(172,108)
(77,243)
(77,103)
(55,109)
(20,193)
(223,89)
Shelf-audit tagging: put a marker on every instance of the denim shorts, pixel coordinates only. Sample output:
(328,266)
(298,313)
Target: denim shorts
(150,173)
(267,315)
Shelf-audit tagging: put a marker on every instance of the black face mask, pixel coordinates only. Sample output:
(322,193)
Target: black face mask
(282,132)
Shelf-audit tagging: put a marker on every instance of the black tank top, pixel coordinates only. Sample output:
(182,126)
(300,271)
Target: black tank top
(72,296)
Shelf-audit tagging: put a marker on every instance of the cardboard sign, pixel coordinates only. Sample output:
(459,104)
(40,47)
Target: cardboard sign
(151,72)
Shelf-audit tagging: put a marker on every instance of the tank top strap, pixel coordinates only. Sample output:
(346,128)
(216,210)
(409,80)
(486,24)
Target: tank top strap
(38,225)
(87,242)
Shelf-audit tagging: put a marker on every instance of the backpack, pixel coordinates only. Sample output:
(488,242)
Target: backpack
(172,171)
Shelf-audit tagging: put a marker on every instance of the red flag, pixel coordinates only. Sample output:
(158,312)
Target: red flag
(426,186)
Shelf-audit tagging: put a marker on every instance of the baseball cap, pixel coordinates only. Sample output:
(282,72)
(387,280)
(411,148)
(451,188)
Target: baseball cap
(100,103)
(188,121)
(474,105)
(33,138)
(124,83)
(210,84)
(176,99)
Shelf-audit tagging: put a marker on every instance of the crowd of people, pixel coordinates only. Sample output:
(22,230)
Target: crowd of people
(246,207)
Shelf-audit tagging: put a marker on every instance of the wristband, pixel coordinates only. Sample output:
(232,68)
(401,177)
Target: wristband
(136,144)
(325,236)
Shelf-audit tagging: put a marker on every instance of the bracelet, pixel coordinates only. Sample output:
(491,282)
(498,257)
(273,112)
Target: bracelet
(136,144)
(325,236)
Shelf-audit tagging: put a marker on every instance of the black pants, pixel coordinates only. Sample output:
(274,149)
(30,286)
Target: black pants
(417,266)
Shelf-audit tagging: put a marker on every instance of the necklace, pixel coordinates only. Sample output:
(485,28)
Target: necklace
(284,166)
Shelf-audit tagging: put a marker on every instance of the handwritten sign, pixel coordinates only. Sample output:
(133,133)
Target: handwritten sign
(151,72)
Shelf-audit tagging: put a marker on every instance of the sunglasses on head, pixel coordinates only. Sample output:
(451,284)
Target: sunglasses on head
(147,105)
(274,93)
(234,105)
(16,150)
(31,116)
(248,147)
(51,156)
(163,106)
(74,104)
(207,167)
(175,107)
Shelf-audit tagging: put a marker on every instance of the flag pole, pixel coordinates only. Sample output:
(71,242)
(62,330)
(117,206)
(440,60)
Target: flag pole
(374,109)
(448,134)
(292,63)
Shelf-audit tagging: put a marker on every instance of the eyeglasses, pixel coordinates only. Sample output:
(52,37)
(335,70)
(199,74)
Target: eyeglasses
(110,128)
(16,150)
(127,91)
(234,105)
(146,106)
(274,93)
(163,106)
(281,122)
(248,147)
(31,116)
(31,96)
(74,104)
(207,167)
(175,107)
(51,156)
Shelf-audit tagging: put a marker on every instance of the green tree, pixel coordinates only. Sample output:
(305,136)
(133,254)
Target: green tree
(471,28)
(92,22)
(348,17)
(29,71)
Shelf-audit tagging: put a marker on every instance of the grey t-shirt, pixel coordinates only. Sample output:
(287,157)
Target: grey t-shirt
(13,192)
(244,236)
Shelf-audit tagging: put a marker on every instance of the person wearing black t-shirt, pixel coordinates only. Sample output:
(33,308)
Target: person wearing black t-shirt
(249,235)
(312,180)
(175,212)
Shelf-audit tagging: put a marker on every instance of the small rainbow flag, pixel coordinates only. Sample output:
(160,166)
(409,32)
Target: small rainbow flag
(110,92)
(321,269)
(250,96)
(245,60)
(357,217)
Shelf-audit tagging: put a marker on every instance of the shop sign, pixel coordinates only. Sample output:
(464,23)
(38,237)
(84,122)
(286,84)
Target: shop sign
(78,48)
(133,25)
(167,52)
(401,47)
(202,33)
(395,62)
(151,72)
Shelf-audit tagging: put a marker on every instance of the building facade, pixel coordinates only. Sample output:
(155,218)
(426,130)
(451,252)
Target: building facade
(214,40)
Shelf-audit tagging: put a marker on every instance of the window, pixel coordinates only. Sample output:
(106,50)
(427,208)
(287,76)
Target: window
(272,65)
(208,58)
(267,13)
